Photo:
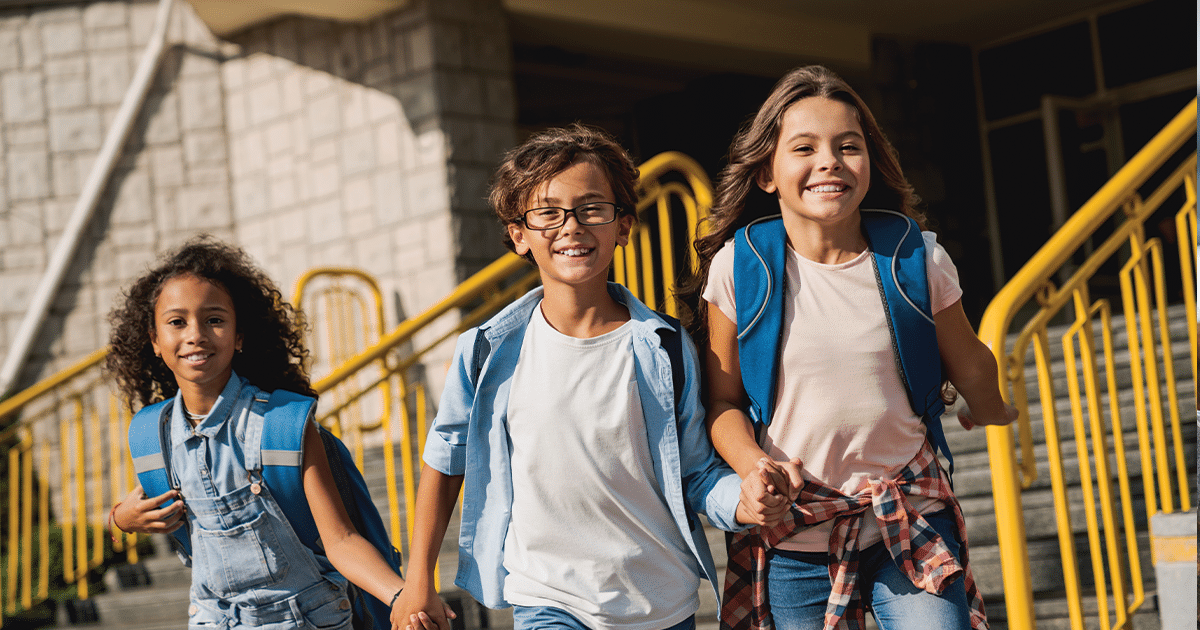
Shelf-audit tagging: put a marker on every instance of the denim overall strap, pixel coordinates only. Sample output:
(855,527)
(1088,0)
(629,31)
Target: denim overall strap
(252,446)
(759,254)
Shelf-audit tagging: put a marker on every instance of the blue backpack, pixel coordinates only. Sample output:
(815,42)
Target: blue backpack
(279,418)
(899,260)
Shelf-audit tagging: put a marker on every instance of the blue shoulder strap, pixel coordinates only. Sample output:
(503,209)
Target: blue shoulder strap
(148,432)
(279,454)
(759,253)
(899,256)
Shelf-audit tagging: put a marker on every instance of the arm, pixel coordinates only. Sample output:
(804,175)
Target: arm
(971,368)
(729,427)
(768,487)
(436,496)
(351,554)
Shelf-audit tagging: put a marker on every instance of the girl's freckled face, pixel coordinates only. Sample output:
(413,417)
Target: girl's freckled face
(195,333)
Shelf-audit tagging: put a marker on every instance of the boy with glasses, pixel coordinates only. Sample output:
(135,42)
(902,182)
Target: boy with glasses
(582,473)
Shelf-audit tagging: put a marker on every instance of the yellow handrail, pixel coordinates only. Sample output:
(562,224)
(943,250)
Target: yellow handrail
(67,413)
(1145,310)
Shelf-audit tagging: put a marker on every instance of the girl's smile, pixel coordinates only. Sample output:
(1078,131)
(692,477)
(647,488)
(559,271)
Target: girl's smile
(820,170)
(195,334)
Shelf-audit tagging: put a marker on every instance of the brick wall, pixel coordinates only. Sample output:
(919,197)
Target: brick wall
(307,142)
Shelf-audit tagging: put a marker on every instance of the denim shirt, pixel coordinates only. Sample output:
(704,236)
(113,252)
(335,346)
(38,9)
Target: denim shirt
(470,437)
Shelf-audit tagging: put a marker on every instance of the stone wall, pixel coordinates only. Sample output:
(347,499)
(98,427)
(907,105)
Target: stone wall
(63,72)
(307,142)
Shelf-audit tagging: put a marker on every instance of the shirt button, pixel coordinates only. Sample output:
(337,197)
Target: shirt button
(193,609)
(344,605)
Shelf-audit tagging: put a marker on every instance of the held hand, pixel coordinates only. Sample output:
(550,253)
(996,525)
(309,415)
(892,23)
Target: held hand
(144,516)
(786,477)
(969,420)
(421,609)
(761,502)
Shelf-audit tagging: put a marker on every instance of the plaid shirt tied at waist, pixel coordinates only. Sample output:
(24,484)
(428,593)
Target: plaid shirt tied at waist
(917,549)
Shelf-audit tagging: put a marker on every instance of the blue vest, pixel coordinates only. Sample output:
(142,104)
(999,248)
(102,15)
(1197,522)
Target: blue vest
(898,256)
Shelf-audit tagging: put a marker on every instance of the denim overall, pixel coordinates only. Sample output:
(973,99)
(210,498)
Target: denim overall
(249,570)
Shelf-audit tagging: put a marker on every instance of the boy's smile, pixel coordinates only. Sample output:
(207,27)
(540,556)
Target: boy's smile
(573,254)
(195,333)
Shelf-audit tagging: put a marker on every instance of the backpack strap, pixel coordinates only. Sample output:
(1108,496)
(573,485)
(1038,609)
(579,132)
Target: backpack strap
(759,254)
(149,438)
(277,453)
(898,254)
(672,342)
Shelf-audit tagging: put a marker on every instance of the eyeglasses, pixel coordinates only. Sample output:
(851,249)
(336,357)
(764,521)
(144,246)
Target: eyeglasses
(591,213)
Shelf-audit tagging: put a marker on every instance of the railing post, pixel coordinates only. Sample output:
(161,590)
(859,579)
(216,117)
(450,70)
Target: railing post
(1010,527)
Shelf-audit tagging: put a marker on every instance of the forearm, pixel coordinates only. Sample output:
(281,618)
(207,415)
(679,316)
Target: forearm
(358,561)
(436,497)
(732,434)
(979,383)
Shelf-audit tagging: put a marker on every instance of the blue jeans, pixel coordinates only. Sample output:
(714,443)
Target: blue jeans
(538,617)
(798,587)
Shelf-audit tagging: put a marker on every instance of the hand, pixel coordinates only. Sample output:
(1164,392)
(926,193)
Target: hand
(766,494)
(144,516)
(969,420)
(785,477)
(421,609)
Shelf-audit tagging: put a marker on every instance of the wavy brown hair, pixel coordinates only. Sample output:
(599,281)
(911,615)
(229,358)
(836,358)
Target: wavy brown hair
(546,154)
(738,198)
(273,352)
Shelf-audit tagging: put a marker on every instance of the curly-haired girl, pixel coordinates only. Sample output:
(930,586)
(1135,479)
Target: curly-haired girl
(208,328)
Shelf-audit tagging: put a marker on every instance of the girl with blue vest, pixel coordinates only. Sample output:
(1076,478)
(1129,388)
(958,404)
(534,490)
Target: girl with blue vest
(209,329)
(827,326)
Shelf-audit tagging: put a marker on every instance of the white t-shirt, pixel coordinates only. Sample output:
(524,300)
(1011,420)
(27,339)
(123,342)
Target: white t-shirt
(591,532)
(840,405)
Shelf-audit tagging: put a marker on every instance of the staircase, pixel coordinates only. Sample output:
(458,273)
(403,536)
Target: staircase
(156,597)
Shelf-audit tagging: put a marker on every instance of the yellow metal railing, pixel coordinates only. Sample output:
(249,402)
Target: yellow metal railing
(1094,368)
(66,435)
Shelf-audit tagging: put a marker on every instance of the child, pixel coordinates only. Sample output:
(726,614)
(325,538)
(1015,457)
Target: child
(582,477)
(182,330)
(834,398)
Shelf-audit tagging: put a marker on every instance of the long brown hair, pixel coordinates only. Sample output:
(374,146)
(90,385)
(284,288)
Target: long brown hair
(739,200)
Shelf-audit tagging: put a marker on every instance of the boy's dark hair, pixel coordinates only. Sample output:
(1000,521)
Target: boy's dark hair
(273,351)
(548,153)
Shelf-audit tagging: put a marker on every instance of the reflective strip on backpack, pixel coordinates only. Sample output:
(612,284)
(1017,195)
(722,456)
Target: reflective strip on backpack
(147,463)
(282,458)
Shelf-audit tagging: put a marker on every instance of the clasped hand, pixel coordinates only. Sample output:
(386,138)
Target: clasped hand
(769,491)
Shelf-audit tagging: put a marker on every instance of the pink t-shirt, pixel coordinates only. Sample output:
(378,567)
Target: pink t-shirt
(840,405)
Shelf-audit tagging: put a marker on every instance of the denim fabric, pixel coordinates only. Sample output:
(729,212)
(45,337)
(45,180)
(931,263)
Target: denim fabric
(798,587)
(541,617)
(469,437)
(249,570)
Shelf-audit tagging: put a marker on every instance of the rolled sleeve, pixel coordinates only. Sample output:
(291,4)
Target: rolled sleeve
(446,445)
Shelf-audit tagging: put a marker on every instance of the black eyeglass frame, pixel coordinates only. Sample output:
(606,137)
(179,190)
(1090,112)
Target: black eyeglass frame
(616,214)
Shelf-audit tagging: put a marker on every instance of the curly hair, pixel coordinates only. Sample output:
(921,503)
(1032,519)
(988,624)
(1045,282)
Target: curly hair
(738,199)
(546,154)
(273,353)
